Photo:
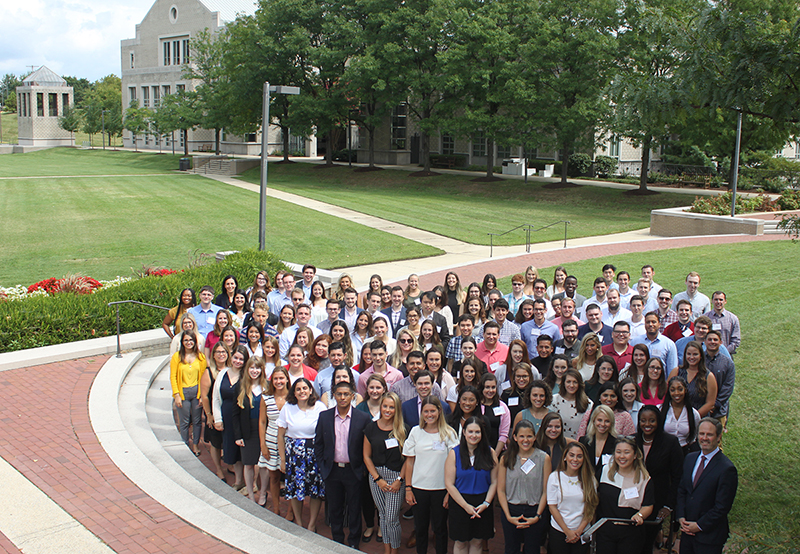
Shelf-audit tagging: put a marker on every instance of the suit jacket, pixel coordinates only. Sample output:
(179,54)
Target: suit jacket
(400,324)
(708,504)
(664,463)
(325,441)
(411,412)
(608,449)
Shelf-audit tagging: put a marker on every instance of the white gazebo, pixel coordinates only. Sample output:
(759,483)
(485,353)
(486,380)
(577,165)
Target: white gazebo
(40,102)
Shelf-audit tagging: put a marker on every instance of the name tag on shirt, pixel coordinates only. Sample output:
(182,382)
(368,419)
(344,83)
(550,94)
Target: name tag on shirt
(716,326)
(630,493)
(495,366)
(513,401)
(560,350)
(438,328)
(210,320)
(527,466)
(402,322)
(417,301)
(505,385)
(600,338)
(605,458)
(498,410)
(536,332)
(391,443)
(687,332)
(439,445)
(376,417)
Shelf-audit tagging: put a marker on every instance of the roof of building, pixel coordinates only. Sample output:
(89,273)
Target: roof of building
(228,9)
(44,77)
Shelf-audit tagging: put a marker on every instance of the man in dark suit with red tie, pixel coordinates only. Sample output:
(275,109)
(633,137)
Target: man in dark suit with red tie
(706,493)
(339,449)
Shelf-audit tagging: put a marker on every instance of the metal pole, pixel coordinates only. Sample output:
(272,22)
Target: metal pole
(565,233)
(525,164)
(103,119)
(349,144)
(262,207)
(735,171)
(491,246)
(119,349)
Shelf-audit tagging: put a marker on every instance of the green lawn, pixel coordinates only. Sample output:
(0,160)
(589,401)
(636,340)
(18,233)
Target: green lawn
(104,226)
(74,161)
(761,281)
(10,134)
(453,206)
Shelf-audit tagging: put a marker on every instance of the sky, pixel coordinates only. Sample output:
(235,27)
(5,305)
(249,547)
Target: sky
(80,38)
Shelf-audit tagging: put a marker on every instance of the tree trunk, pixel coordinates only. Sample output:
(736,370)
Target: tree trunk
(426,151)
(489,158)
(565,163)
(645,163)
(371,130)
(216,141)
(285,137)
(185,142)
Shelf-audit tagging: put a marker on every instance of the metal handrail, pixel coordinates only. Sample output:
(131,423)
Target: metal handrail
(528,230)
(589,534)
(117,303)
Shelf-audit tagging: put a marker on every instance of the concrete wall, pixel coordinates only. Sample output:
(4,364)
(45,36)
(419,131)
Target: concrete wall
(675,222)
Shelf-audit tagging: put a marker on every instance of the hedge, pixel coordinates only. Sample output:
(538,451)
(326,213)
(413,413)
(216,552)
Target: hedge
(66,317)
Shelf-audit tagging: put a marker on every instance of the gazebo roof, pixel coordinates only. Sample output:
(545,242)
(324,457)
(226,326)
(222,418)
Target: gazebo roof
(44,77)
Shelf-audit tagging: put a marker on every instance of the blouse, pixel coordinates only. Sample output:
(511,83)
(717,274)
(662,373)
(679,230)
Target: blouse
(566,494)
(430,454)
(525,481)
(184,376)
(680,427)
(300,424)
(386,451)
(569,413)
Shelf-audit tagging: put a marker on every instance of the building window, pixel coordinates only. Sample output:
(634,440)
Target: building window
(180,142)
(250,137)
(503,152)
(167,58)
(146,97)
(399,119)
(448,144)
(52,104)
(64,101)
(132,94)
(185,50)
(479,144)
(156,96)
(176,52)
(22,106)
(166,90)
(40,104)
(180,88)
(132,64)
(613,147)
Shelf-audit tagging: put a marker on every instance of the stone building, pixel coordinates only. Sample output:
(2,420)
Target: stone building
(40,102)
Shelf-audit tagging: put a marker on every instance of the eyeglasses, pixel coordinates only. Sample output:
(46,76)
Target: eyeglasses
(516,284)
(621,332)
(405,341)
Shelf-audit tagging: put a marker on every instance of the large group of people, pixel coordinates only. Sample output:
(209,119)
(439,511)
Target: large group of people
(555,408)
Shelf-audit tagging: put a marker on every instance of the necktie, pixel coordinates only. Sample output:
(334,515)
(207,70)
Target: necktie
(699,471)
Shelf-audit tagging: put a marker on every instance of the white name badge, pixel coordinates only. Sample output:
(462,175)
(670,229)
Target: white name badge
(504,386)
(376,417)
(392,443)
(210,320)
(536,332)
(631,493)
(605,459)
(513,401)
(527,466)
(439,445)
(716,326)
(417,301)
(559,349)
(495,366)
(498,410)
(687,332)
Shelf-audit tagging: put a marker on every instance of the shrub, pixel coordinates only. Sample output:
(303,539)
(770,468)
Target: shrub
(45,320)
(579,164)
(605,165)
(721,204)
(789,200)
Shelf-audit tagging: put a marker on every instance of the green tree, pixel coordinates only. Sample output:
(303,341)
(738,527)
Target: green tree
(71,120)
(568,60)
(80,89)
(136,119)
(8,91)
(178,112)
(103,105)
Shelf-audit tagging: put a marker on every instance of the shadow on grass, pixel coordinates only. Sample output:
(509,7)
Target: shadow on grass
(560,185)
(424,173)
(640,192)
(487,179)
(367,169)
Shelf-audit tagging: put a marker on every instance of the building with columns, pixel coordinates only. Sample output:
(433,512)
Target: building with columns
(40,102)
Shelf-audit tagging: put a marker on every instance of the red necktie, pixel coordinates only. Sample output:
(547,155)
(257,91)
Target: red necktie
(699,471)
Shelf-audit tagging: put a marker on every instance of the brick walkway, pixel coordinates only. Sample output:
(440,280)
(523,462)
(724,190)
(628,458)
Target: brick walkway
(47,437)
(508,266)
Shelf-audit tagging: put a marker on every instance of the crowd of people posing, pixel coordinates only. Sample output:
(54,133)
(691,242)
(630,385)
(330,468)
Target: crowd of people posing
(556,409)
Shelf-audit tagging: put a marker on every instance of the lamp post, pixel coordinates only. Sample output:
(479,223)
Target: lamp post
(103,134)
(735,170)
(262,208)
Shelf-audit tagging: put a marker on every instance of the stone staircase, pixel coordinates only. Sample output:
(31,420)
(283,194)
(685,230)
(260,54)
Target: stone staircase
(209,165)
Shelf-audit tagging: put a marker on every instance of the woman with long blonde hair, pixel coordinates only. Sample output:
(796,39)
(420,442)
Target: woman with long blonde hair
(572,498)
(246,418)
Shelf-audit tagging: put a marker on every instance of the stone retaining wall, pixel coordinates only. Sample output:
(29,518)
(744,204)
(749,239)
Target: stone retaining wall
(677,222)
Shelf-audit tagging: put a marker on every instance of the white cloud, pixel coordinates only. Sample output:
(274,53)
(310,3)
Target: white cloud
(78,37)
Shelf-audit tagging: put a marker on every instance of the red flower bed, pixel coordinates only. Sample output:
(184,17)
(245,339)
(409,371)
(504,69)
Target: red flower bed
(162,272)
(79,284)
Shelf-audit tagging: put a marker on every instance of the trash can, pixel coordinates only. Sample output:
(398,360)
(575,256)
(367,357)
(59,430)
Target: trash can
(185,164)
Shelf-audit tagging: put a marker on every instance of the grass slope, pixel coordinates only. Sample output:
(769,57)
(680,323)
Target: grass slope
(453,206)
(763,287)
(73,161)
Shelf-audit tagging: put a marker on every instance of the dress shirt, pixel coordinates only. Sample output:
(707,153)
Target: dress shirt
(205,318)
(707,457)
(727,324)
(508,332)
(277,300)
(660,347)
(514,303)
(288,335)
(725,372)
(621,315)
(700,302)
(530,332)
(681,346)
(391,376)
(405,389)
(668,319)
(494,358)
(341,428)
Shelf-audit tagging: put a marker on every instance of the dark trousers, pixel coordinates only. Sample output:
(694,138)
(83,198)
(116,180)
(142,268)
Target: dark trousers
(619,539)
(689,545)
(559,544)
(343,495)
(531,536)
(429,510)
(367,502)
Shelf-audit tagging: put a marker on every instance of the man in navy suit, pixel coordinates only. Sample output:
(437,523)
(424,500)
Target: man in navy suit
(339,448)
(706,493)
(423,382)
(396,313)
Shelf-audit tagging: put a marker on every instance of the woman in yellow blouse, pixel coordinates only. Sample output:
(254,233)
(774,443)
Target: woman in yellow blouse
(186,367)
